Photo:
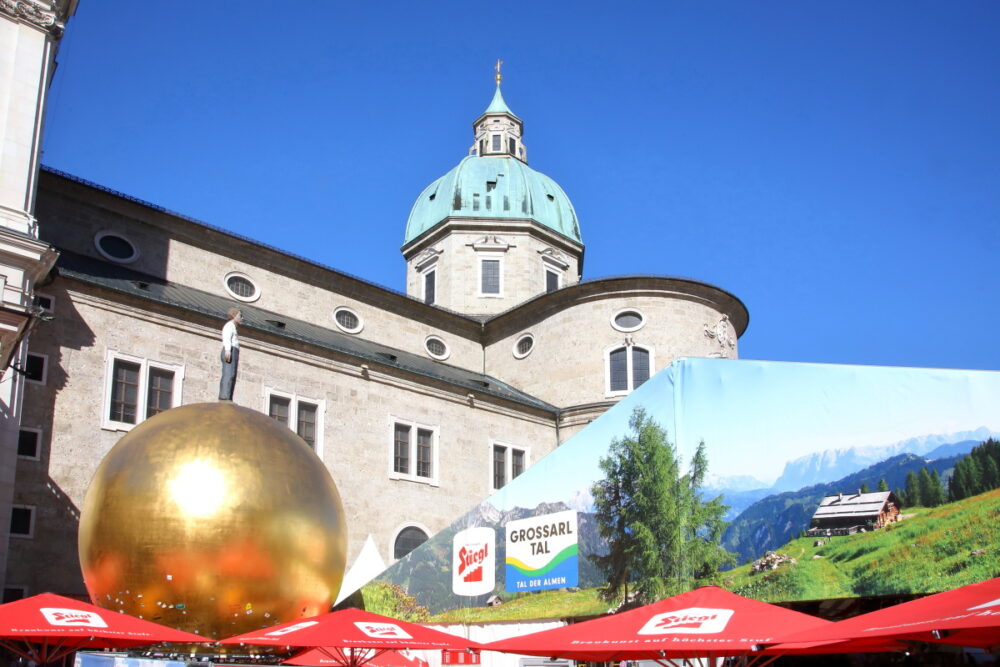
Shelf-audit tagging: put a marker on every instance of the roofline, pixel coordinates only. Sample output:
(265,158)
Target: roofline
(469,222)
(432,311)
(139,293)
(739,315)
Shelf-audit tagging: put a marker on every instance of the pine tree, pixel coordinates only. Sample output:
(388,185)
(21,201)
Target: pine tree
(882,486)
(864,488)
(662,537)
(936,494)
(913,496)
(926,486)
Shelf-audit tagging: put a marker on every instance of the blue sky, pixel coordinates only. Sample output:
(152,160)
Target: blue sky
(834,165)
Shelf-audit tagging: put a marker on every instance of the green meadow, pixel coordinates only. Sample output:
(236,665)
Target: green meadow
(929,551)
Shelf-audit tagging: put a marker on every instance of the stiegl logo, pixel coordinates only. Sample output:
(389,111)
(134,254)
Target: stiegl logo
(473,561)
(74,618)
(383,630)
(691,621)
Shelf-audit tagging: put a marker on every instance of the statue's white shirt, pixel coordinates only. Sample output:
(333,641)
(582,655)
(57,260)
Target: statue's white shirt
(229,337)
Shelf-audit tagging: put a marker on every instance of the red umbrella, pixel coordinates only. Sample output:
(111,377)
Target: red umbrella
(966,616)
(352,636)
(704,623)
(317,658)
(46,627)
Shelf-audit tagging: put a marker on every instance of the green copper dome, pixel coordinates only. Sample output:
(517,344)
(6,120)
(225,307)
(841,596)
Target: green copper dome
(494,187)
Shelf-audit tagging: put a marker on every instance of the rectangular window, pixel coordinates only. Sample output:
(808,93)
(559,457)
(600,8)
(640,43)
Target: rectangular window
(277,409)
(424,452)
(511,146)
(499,466)
(401,457)
(45,302)
(305,423)
(430,279)
(490,276)
(22,521)
(508,463)
(496,143)
(640,366)
(161,391)
(137,389)
(28,443)
(414,452)
(619,370)
(35,367)
(125,391)
(551,280)
(302,415)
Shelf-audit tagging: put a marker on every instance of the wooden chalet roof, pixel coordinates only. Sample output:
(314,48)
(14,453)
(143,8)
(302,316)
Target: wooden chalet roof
(860,505)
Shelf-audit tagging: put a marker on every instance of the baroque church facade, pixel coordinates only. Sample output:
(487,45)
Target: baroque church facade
(420,404)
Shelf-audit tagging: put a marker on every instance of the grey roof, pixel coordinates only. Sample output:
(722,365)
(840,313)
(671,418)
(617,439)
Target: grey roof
(127,281)
(852,504)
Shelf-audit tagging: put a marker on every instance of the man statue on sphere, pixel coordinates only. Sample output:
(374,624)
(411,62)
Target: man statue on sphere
(230,354)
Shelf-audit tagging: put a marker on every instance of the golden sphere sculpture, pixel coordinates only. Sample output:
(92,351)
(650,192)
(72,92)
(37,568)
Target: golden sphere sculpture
(215,519)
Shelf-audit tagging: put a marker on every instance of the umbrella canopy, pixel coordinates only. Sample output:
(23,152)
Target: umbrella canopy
(706,622)
(966,616)
(46,627)
(352,636)
(317,658)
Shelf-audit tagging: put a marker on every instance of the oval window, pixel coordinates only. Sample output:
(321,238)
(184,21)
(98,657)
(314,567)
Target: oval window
(628,319)
(436,347)
(348,320)
(523,346)
(115,247)
(240,286)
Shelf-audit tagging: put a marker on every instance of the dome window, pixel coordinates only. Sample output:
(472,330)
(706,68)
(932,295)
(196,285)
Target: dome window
(436,347)
(551,198)
(241,286)
(628,319)
(347,320)
(116,247)
(523,346)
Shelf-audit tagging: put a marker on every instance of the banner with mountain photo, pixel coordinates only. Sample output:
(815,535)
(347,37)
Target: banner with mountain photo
(777,481)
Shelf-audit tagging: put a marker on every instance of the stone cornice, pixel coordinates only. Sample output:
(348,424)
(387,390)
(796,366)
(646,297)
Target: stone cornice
(38,13)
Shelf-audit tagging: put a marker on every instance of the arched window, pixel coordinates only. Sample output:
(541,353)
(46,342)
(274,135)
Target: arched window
(627,368)
(408,539)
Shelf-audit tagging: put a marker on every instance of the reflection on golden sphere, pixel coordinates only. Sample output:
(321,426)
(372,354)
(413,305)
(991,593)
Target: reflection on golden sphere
(215,519)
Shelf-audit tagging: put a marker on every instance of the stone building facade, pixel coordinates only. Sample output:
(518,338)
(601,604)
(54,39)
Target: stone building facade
(30,32)
(420,404)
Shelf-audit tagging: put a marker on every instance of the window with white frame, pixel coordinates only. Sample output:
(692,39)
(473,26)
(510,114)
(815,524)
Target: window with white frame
(302,415)
(627,367)
(553,278)
(491,276)
(22,521)
(36,368)
(430,284)
(414,452)
(29,442)
(508,462)
(137,389)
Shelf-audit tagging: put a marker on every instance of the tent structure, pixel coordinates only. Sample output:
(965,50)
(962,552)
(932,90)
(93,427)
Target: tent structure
(707,622)
(965,616)
(352,637)
(47,627)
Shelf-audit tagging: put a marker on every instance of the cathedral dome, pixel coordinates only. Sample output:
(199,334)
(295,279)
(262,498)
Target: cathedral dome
(494,187)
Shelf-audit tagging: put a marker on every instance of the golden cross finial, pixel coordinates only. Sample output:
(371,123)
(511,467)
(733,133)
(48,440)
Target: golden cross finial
(497,68)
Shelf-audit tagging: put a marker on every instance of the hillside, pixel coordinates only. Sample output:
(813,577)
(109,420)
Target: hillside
(772,521)
(932,550)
